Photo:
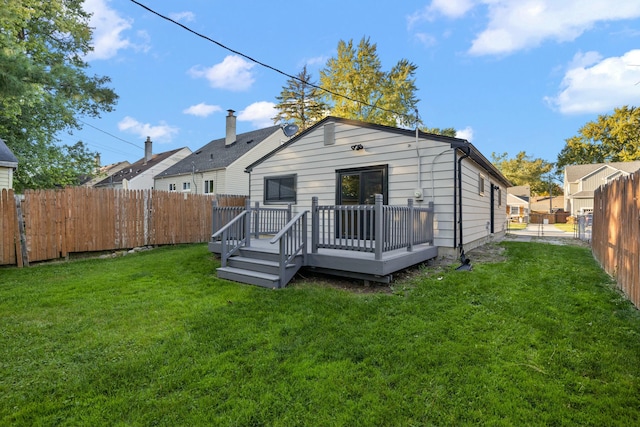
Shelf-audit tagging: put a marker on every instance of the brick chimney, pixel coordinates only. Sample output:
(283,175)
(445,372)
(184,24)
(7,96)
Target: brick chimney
(231,129)
(148,153)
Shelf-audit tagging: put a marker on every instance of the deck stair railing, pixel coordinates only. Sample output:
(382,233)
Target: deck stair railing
(264,220)
(233,236)
(373,228)
(292,241)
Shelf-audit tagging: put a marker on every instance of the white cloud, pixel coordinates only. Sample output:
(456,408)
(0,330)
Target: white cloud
(426,39)
(202,110)
(108,30)
(260,114)
(159,133)
(449,8)
(185,16)
(523,24)
(233,73)
(595,85)
(466,133)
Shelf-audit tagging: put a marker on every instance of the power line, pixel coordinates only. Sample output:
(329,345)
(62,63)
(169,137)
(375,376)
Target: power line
(111,135)
(262,63)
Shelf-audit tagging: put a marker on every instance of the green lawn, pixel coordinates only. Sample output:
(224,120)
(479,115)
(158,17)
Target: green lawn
(156,339)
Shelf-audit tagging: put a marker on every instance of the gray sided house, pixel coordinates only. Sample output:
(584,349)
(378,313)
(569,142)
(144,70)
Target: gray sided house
(580,182)
(139,175)
(219,166)
(371,200)
(8,164)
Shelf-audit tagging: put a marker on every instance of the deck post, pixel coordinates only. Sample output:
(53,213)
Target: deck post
(247,223)
(410,225)
(289,211)
(214,222)
(379,229)
(315,225)
(430,223)
(256,220)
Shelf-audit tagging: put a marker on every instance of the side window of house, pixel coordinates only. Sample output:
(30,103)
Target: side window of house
(481,184)
(499,193)
(208,186)
(172,187)
(186,186)
(280,189)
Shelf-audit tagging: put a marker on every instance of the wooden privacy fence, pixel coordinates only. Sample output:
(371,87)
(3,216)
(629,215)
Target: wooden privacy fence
(49,224)
(616,232)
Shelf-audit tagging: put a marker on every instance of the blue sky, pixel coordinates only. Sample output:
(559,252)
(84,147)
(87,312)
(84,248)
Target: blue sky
(508,75)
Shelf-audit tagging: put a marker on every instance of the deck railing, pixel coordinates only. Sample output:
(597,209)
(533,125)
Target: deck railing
(264,220)
(233,236)
(374,228)
(292,241)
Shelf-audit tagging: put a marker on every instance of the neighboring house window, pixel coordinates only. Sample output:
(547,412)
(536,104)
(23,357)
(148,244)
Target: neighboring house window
(208,186)
(515,210)
(280,189)
(186,186)
(172,187)
(481,184)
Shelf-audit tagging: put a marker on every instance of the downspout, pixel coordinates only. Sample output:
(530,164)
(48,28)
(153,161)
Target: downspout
(466,151)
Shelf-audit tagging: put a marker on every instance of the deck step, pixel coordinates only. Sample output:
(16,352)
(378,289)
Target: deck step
(250,277)
(255,264)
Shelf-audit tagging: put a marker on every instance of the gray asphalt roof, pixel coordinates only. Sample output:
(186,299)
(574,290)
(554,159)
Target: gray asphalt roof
(6,156)
(216,155)
(575,172)
(136,168)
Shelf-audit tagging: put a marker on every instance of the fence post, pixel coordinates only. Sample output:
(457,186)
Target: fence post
(379,230)
(410,225)
(315,225)
(24,254)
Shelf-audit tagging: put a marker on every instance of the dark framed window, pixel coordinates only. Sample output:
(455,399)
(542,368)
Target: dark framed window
(280,189)
(208,186)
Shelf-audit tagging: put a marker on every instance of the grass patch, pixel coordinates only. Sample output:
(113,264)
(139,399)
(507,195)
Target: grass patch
(516,225)
(566,227)
(156,339)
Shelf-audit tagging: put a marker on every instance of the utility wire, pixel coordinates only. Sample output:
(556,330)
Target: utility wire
(111,135)
(262,63)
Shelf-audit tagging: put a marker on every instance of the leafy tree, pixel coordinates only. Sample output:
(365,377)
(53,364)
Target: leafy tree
(611,138)
(44,89)
(524,170)
(300,102)
(444,131)
(357,88)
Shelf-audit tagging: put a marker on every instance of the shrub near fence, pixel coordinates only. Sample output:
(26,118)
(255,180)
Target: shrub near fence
(616,232)
(79,219)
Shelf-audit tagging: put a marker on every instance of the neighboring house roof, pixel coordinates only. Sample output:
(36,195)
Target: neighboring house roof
(542,203)
(512,199)
(137,168)
(7,158)
(462,144)
(520,191)
(103,172)
(217,155)
(576,172)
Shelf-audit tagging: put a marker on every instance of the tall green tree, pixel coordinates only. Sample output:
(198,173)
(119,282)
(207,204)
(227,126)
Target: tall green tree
(300,102)
(357,87)
(45,89)
(611,138)
(525,170)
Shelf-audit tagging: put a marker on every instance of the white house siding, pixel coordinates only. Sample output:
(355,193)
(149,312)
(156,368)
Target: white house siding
(476,208)
(596,179)
(6,178)
(315,164)
(145,179)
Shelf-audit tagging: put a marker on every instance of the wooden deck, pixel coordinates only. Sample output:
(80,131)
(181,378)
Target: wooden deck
(267,246)
(345,263)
